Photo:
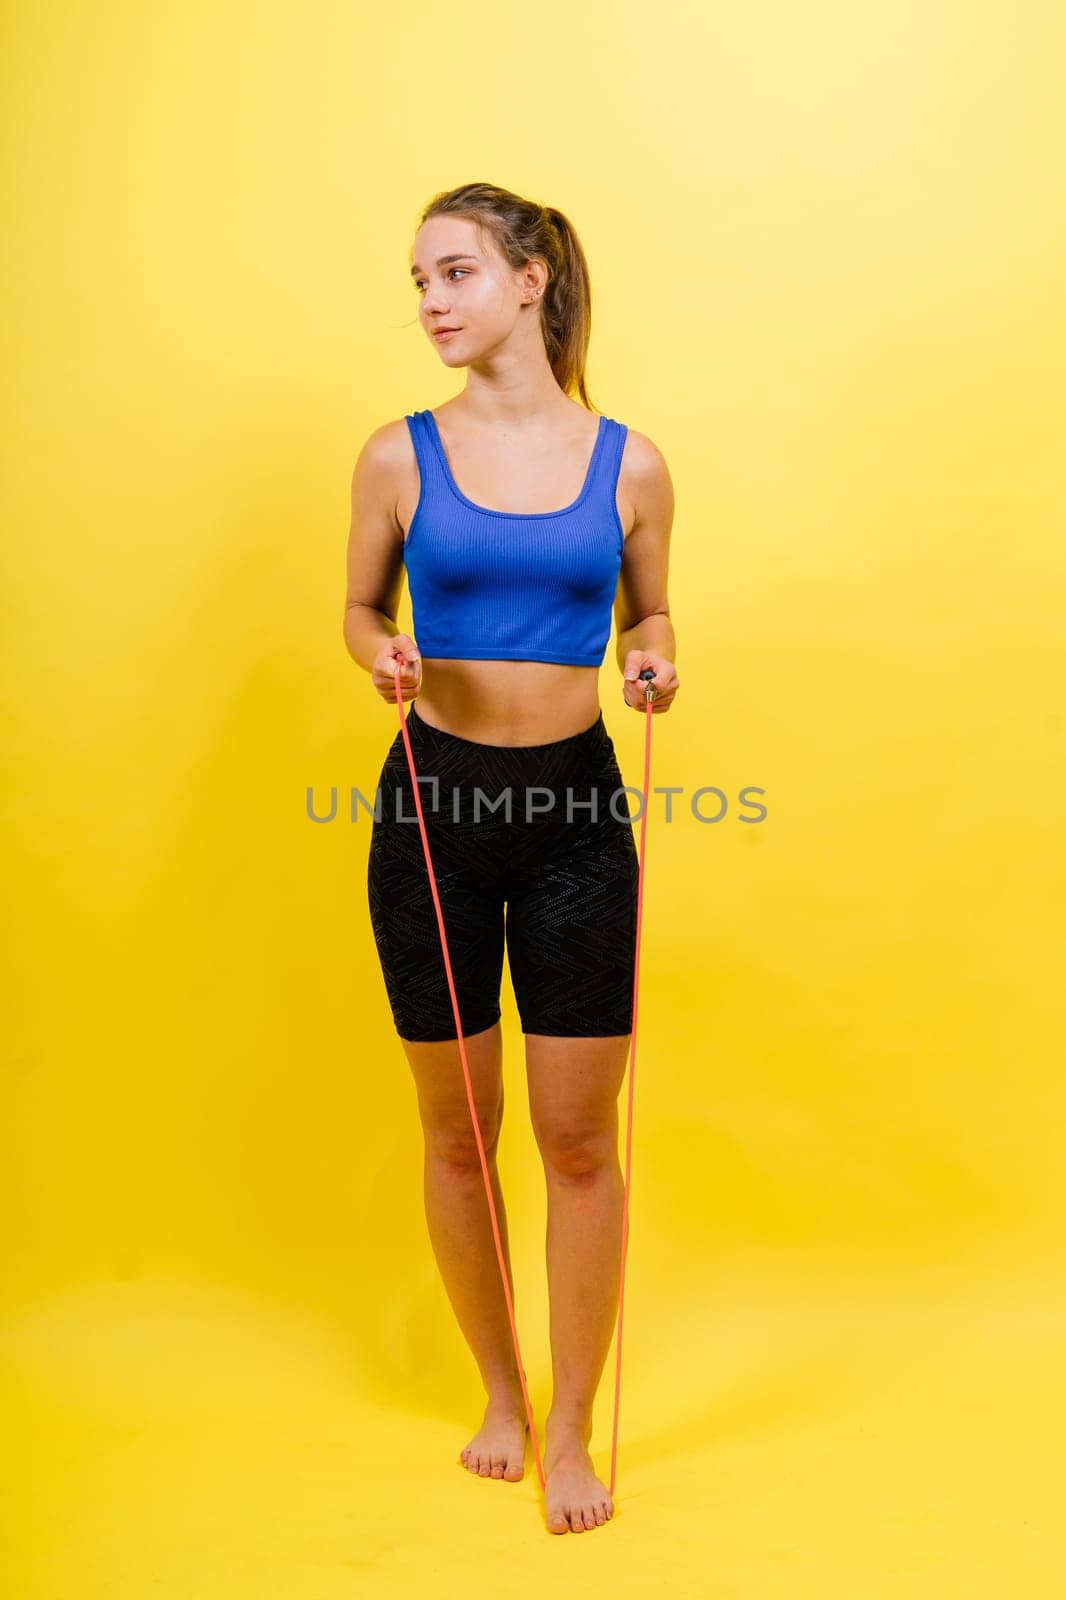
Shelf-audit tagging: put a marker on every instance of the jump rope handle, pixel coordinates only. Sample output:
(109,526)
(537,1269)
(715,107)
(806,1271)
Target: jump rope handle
(649,672)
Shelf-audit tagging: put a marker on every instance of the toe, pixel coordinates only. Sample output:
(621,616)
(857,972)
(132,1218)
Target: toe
(498,1464)
(514,1471)
(601,1515)
(577,1521)
(590,1516)
(557,1522)
(485,1467)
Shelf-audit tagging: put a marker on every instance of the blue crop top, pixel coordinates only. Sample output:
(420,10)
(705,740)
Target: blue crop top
(512,585)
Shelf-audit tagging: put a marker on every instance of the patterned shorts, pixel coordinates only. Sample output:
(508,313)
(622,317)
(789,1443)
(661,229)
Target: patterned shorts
(532,848)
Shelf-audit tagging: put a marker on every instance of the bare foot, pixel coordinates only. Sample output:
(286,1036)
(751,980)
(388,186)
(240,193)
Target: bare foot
(498,1448)
(575,1498)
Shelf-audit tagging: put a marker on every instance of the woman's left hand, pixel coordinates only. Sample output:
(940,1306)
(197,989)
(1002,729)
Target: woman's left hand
(634,687)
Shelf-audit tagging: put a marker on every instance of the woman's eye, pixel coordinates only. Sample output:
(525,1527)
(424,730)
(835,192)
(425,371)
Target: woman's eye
(420,283)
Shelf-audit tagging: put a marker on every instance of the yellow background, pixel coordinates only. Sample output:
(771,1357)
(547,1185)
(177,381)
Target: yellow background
(827,253)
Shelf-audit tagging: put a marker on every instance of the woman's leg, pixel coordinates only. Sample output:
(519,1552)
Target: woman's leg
(573,1094)
(460,1229)
(570,932)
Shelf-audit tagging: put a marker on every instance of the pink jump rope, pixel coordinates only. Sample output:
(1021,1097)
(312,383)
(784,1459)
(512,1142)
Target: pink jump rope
(649,696)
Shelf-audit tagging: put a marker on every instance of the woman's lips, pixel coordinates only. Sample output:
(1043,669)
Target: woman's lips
(446,333)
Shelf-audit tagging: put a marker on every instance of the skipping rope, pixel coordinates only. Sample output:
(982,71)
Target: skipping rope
(647,674)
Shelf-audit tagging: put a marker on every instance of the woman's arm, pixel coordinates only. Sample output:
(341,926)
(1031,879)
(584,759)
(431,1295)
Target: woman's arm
(642,605)
(375,550)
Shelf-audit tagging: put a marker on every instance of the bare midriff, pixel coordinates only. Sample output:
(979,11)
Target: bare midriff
(508,702)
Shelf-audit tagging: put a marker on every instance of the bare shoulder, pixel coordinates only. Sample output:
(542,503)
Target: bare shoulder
(389,446)
(642,460)
(386,465)
(644,480)
(375,536)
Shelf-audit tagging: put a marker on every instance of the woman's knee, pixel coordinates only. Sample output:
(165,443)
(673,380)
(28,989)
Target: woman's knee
(454,1144)
(578,1152)
(573,1100)
(443,1104)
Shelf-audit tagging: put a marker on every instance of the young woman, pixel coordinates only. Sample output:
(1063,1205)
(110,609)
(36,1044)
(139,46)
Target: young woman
(521,517)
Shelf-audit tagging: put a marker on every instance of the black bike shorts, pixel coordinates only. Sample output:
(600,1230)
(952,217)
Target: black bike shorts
(532,847)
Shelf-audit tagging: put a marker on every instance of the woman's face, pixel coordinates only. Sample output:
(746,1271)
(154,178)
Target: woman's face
(463,282)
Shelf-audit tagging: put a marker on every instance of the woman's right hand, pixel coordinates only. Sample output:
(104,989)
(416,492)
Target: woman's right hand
(400,648)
